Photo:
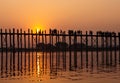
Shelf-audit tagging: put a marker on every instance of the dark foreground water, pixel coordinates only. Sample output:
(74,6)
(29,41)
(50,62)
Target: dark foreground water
(60,67)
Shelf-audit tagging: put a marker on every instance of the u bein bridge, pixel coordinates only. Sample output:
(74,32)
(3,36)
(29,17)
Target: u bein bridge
(57,40)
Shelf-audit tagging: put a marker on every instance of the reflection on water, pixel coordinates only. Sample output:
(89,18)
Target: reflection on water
(75,66)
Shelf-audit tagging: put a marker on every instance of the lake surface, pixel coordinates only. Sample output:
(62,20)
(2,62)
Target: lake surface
(60,67)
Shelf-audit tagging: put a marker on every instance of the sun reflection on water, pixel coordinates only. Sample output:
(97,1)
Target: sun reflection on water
(41,70)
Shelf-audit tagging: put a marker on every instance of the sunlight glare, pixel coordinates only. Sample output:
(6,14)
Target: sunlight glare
(37,28)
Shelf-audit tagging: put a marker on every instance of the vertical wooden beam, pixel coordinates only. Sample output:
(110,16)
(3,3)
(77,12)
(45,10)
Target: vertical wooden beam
(18,39)
(97,42)
(45,41)
(6,39)
(115,46)
(119,45)
(21,34)
(10,40)
(25,40)
(29,39)
(6,48)
(69,51)
(106,42)
(32,39)
(91,34)
(52,39)
(1,49)
(110,48)
(13,40)
(81,47)
(21,39)
(13,49)
(102,46)
(75,49)
(81,35)
(1,40)
(86,49)
(36,39)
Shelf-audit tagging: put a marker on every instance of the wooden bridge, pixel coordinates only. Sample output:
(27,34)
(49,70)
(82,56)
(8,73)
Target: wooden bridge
(57,40)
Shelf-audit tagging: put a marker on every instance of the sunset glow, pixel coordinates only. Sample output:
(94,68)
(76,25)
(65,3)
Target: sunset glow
(37,28)
(73,14)
(60,41)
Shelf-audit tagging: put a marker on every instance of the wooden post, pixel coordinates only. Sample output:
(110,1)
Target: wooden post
(45,41)
(29,39)
(21,39)
(91,34)
(6,40)
(10,40)
(52,40)
(115,47)
(97,42)
(106,42)
(102,46)
(21,47)
(13,40)
(86,49)
(1,49)
(1,40)
(39,36)
(57,35)
(97,47)
(13,49)
(25,40)
(6,47)
(50,31)
(75,49)
(18,39)
(70,33)
(119,46)
(32,39)
(81,43)
(36,40)
(81,49)
(111,48)
(56,43)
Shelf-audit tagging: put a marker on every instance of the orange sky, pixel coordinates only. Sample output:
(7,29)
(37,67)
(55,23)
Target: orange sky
(61,14)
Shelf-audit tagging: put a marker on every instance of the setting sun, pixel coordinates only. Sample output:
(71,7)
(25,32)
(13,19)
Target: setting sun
(37,28)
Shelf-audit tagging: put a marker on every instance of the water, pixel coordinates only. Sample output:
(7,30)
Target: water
(60,67)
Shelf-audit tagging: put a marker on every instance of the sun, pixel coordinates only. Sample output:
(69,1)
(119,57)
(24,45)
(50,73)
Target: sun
(37,28)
